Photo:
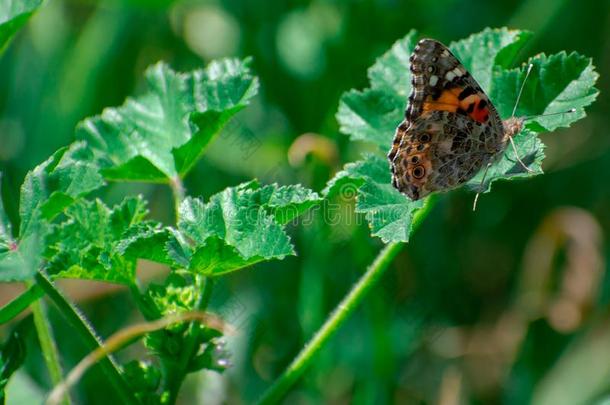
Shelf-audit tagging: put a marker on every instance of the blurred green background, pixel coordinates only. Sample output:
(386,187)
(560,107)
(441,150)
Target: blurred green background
(509,304)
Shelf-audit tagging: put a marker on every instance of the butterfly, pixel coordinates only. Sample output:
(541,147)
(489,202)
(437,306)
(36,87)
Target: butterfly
(451,129)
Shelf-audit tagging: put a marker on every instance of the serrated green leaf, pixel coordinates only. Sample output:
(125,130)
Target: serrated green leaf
(215,257)
(387,74)
(46,191)
(388,212)
(56,183)
(236,228)
(488,51)
(178,249)
(242,225)
(233,217)
(369,116)
(352,177)
(286,202)
(85,246)
(131,212)
(24,257)
(372,114)
(13,15)
(557,83)
(160,135)
(151,241)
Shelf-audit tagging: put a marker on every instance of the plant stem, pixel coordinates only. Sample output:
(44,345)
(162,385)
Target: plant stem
(88,337)
(47,343)
(178,192)
(345,308)
(178,371)
(332,324)
(21,303)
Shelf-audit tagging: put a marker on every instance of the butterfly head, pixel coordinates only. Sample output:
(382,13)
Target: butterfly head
(512,126)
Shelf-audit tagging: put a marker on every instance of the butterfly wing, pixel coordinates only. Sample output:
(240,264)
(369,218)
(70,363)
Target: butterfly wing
(451,129)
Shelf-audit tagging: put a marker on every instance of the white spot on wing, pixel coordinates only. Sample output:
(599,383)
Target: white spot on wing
(433,80)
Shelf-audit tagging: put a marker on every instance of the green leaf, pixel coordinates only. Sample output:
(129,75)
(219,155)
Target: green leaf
(556,83)
(387,74)
(488,51)
(346,182)
(151,241)
(24,257)
(46,191)
(85,246)
(215,257)
(13,15)
(236,228)
(233,217)
(241,226)
(286,202)
(369,116)
(373,114)
(388,212)
(161,134)
(56,183)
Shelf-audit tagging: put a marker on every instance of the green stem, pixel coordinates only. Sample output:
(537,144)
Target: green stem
(345,308)
(88,336)
(177,371)
(47,343)
(178,192)
(332,324)
(21,303)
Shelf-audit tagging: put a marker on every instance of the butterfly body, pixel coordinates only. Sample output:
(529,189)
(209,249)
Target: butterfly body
(451,129)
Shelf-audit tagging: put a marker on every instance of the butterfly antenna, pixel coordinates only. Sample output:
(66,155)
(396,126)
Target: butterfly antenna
(529,69)
(476,197)
(529,117)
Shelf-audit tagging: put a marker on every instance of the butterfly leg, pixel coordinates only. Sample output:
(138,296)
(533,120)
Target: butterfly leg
(476,197)
(510,138)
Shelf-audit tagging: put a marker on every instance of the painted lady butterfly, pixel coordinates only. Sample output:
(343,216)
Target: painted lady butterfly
(451,129)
